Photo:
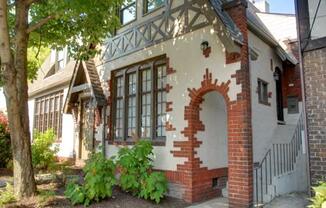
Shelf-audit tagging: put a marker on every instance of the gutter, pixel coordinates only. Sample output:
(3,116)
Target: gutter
(271,41)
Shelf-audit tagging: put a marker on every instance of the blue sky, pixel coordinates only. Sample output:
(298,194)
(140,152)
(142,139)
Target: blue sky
(282,6)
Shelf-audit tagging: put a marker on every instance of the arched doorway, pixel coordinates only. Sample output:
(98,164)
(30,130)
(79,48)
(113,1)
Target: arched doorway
(213,151)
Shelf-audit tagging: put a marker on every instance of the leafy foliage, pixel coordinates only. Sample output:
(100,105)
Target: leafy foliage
(35,57)
(7,196)
(44,150)
(5,148)
(136,177)
(74,23)
(154,187)
(319,200)
(99,181)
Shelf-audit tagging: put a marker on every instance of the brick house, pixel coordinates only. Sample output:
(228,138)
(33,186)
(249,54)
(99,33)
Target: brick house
(311,18)
(212,83)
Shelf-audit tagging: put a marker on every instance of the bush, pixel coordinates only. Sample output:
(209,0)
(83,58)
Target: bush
(7,196)
(98,182)
(5,144)
(136,177)
(43,150)
(319,200)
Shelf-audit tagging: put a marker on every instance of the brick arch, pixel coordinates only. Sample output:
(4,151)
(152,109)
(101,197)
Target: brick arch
(198,184)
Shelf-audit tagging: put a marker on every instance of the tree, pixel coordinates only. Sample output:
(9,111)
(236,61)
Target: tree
(78,24)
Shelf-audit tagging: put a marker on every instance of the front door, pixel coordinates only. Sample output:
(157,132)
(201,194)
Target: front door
(279,96)
(86,144)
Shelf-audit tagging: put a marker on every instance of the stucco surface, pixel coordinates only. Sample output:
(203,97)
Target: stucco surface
(190,65)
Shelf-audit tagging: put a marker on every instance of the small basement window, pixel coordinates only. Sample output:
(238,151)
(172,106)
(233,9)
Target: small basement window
(293,105)
(128,11)
(262,91)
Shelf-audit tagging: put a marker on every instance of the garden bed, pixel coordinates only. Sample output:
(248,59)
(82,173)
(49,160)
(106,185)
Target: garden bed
(119,200)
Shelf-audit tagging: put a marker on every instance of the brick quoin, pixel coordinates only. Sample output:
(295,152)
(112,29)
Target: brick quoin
(197,180)
(240,175)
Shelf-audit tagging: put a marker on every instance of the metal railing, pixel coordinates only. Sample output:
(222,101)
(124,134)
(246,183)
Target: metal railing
(279,159)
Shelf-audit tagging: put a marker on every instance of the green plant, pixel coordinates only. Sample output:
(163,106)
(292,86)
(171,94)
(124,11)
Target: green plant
(136,177)
(319,200)
(5,144)
(98,182)
(7,196)
(154,187)
(44,150)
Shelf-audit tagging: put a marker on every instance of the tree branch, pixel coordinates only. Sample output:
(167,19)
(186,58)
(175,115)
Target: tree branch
(38,25)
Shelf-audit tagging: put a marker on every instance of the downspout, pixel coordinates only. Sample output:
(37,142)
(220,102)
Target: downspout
(305,127)
(104,131)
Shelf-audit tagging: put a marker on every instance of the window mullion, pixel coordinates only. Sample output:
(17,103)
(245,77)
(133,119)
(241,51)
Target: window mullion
(124,101)
(138,109)
(153,106)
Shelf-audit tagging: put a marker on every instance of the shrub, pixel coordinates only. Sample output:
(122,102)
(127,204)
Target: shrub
(319,200)
(136,177)
(43,150)
(7,196)
(154,187)
(98,182)
(5,144)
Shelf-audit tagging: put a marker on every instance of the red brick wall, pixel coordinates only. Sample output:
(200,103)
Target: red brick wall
(291,82)
(197,179)
(240,130)
(315,88)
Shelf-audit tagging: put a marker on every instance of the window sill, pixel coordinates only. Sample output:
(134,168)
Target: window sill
(125,143)
(264,103)
(127,23)
(154,10)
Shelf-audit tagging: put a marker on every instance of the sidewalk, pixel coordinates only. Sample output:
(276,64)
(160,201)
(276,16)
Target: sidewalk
(295,200)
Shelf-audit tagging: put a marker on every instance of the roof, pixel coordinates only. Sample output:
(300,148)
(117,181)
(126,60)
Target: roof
(260,29)
(227,20)
(85,79)
(44,83)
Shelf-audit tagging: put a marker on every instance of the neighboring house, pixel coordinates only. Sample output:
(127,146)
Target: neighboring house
(210,82)
(46,99)
(312,30)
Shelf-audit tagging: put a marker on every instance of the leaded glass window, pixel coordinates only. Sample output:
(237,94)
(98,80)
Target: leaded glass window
(140,109)
(48,113)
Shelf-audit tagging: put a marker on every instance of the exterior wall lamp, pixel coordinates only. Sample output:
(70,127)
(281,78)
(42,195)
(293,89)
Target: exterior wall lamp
(204,46)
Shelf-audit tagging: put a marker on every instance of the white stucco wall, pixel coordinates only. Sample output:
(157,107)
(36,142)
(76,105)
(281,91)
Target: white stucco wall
(190,65)
(214,150)
(264,117)
(66,146)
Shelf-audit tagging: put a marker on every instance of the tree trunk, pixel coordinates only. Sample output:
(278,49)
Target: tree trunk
(16,92)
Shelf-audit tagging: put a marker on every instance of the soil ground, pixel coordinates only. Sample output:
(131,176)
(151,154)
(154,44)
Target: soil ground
(119,199)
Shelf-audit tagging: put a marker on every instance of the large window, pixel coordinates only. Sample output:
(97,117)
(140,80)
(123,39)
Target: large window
(140,101)
(48,113)
(128,11)
(151,5)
